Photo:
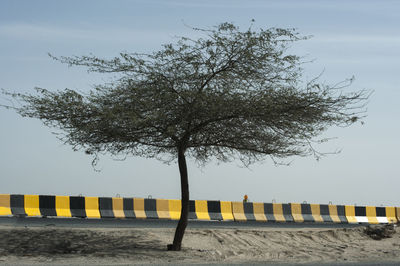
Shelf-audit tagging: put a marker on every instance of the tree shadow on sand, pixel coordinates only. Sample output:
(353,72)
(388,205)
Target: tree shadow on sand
(48,242)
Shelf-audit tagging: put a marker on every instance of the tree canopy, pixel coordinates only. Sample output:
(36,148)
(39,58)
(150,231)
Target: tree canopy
(227,94)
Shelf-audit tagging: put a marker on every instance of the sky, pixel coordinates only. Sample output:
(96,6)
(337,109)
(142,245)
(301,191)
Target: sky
(350,38)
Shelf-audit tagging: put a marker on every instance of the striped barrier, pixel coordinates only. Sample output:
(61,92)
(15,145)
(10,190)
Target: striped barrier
(140,208)
(107,207)
(262,212)
(371,214)
(210,210)
(318,213)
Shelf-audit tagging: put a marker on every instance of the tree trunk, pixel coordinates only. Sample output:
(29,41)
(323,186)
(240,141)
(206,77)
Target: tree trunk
(180,229)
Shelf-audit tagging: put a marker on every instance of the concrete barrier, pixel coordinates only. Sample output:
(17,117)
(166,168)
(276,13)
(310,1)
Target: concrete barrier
(318,213)
(210,210)
(243,211)
(17,205)
(262,212)
(108,207)
(118,207)
(282,212)
(370,214)
(5,205)
(336,213)
(63,206)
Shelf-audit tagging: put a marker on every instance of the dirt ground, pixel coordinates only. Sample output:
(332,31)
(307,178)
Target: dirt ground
(59,246)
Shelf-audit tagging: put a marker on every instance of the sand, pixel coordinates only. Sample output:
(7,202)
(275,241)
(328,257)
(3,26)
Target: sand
(109,246)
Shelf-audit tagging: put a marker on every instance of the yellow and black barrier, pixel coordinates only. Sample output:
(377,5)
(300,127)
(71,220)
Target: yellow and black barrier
(371,214)
(140,208)
(318,213)
(262,212)
(107,207)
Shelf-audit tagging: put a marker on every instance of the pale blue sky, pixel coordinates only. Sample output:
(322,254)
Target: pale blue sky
(360,38)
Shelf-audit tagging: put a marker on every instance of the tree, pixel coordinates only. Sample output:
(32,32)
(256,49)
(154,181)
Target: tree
(226,95)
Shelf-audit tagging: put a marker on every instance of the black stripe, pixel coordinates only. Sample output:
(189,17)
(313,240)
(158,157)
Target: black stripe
(128,208)
(361,211)
(150,208)
(214,210)
(192,210)
(269,212)
(341,210)
(105,208)
(47,205)
(249,211)
(287,212)
(380,211)
(77,206)
(324,211)
(306,212)
(17,205)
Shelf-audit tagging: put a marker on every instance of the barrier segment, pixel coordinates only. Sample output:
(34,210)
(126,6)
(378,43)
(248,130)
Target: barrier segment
(128,208)
(77,205)
(350,214)
(17,205)
(31,205)
(391,214)
(47,205)
(370,212)
(105,206)
(63,207)
(162,206)
(296,212)
(316,213)
(259,212)
(118,207)
(226,210)
(92,207)
(174,209)
(201,209)
(238,211)
(5,205)
(138,208)
(337,213)
(325,214)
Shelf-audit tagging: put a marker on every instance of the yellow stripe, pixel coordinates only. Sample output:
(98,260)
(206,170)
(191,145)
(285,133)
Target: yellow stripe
(296,212)
(31,203)
(258,209)
(238,211)
(391,214)
(118,207)
(371,215)
(201,210)
(334,214)
(226,210)
(162,209)
(398,213)
(174,209)
(278,212)
(62,206)
(138,207)
(350,212)
(316,213)
(5,207)
(92,207)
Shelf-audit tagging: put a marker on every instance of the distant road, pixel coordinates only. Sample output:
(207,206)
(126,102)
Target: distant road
(153,223)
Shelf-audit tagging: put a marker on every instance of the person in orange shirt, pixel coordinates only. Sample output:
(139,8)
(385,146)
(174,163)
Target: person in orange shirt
(245,199)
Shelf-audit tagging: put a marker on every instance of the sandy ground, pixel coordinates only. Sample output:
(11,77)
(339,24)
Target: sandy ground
(58,246)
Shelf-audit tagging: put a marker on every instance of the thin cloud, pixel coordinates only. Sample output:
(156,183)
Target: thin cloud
(54,33)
